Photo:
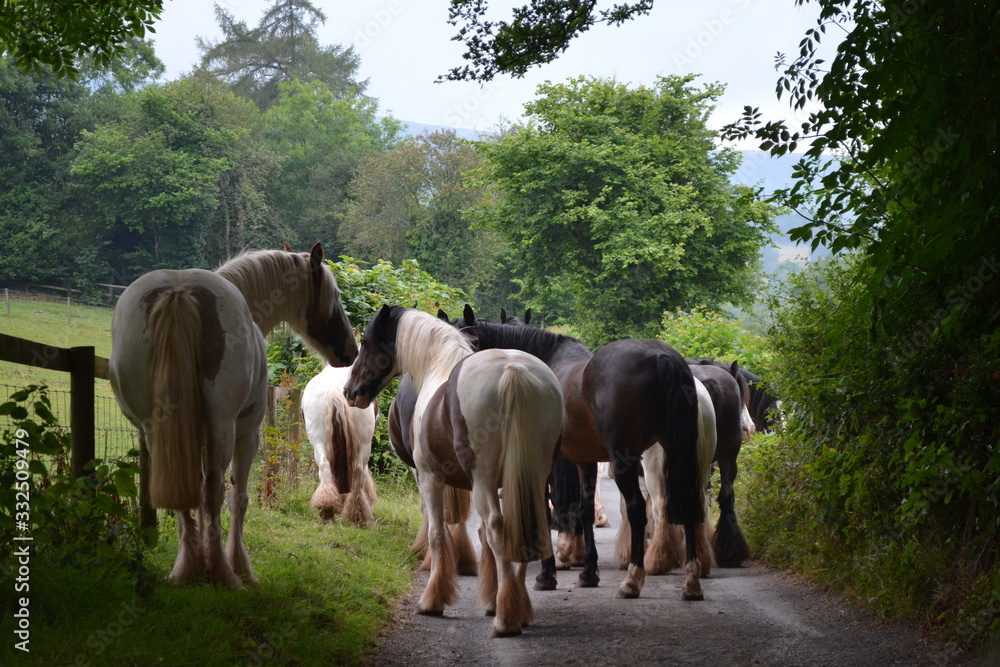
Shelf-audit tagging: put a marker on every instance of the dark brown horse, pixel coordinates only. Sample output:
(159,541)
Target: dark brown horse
(617,403)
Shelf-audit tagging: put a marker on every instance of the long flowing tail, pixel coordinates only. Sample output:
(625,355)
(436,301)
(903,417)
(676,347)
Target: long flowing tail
(527,459)
(679,437)
(342,444)
(176,435)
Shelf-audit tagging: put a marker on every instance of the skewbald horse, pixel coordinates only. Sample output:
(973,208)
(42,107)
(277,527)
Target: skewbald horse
(481,421)
(189,369)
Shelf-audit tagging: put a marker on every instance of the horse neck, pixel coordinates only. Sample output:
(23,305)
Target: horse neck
(428,350)
(264,280)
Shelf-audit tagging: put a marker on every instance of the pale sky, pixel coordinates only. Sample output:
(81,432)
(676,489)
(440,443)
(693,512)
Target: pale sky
(405,44)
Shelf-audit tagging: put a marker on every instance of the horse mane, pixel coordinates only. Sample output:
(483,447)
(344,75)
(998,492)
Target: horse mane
(258,273)
(539,342)
(425,345)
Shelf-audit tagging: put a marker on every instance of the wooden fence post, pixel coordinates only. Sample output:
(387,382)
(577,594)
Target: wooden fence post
(81,407)
(6,298)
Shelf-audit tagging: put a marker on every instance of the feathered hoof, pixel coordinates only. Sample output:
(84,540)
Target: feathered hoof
(506,632)
(544,583)
(627,591)
(588,580)
(490,613)
(692,596)
(601,520)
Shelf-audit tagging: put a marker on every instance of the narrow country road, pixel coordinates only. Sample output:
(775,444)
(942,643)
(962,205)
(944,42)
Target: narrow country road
(750,616)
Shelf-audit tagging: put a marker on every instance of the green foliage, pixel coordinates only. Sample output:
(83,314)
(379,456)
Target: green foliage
(322,138)
(618,206)
(39,33)
(707,333)
(538,34)
(282,48)
(884,480)
(88,523)
(412,202)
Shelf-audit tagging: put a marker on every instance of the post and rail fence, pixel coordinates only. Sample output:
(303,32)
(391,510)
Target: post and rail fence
(84,367)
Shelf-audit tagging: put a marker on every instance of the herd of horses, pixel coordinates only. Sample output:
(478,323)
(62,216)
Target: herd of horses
(507,417)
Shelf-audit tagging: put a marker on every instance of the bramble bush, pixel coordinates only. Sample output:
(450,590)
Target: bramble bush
(86,523)
(885,480)
(702,332)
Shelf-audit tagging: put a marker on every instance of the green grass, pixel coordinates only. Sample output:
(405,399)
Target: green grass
(325,593)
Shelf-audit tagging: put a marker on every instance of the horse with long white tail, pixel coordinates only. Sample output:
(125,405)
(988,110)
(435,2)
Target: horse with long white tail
(189,368)
(481,422)
(341,439)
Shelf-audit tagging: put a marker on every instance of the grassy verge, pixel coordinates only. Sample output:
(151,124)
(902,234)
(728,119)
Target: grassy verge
(326,592)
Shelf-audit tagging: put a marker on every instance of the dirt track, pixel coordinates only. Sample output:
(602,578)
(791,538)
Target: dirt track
(750,616)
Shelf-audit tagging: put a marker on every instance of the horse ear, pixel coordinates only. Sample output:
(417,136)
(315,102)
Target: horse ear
(384,314)
(288,248)
(470,317)
(415,303)
(735,369)
(503,316)
(316,254)
(443,316)
(527,316)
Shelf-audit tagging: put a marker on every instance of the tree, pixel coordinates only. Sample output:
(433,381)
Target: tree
(539,33)
(39,33)
(282,48)
(157,175)
(412,202)
(618,206)
(321,139)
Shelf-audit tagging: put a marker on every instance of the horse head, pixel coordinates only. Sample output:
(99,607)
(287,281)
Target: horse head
(376,364)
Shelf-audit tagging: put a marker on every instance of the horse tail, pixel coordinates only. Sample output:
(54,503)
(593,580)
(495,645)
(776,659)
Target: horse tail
(679,437)
(341,443)
(176,438)
(527,459)
(456,504)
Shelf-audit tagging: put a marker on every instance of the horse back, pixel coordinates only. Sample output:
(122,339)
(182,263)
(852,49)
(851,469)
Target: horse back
(233,366)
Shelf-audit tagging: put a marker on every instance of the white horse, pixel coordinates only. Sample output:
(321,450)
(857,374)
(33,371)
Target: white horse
(189,368)
(341,438)
(481,421)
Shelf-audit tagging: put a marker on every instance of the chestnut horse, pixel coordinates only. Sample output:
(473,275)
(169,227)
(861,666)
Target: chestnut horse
(189,369)
(481,422)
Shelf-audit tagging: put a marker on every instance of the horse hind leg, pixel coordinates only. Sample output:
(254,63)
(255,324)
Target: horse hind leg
(326,499)
(218,569)
(357,507)
(464,551)
(729,544)
(246,449)
(628,483)
(190,564)
(513,605)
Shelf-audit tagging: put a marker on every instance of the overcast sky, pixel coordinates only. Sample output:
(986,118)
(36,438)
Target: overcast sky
(405,44)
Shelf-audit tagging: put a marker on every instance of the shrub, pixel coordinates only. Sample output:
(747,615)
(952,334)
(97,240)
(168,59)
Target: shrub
(702,332)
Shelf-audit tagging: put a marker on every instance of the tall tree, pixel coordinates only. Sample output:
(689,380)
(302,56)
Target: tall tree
(158,174)
(618,205)
(321,139)
(283,47)
(413,202)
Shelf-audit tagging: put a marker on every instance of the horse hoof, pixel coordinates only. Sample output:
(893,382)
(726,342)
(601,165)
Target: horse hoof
(431,612)
(507,633)
(490,613)
(545,583)
(588,581)
(692,597)
(627,592)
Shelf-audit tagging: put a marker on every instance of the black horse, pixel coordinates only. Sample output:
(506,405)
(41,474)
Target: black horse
(617,403)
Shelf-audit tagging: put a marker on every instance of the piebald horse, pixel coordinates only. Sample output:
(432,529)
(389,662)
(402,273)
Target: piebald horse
(618,402)
(189,369)
(341,438)
(481,421)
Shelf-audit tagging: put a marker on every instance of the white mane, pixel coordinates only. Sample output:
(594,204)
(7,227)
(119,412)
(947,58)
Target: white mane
(428,348)
(277,286)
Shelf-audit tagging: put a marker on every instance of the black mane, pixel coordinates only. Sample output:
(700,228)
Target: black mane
(539,342)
